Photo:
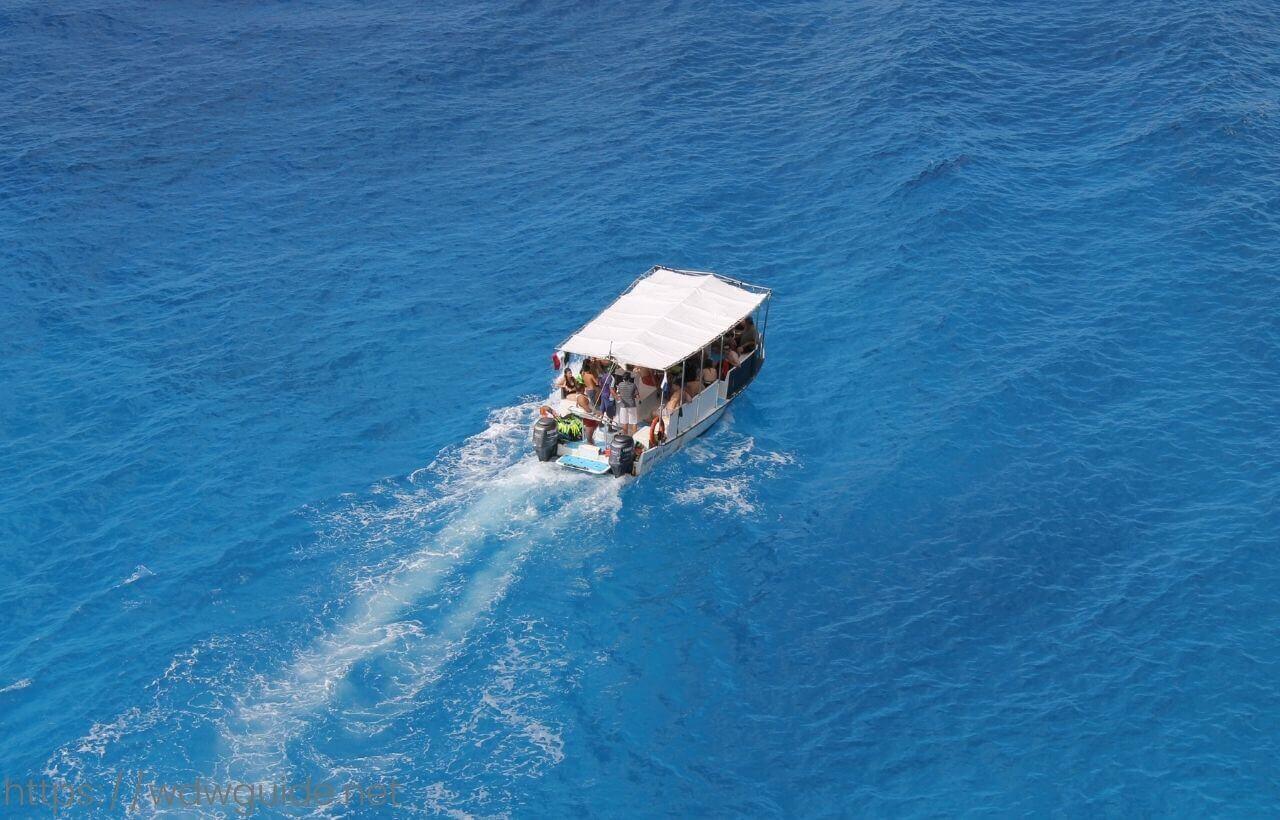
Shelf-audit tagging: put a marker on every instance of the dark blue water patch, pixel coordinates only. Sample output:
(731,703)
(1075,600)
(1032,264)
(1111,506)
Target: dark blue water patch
(938,170)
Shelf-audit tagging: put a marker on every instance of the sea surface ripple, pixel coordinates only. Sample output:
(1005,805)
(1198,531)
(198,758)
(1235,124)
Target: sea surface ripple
(994,533)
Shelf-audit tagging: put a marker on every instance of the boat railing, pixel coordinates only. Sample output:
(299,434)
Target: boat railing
(694,411)
(706,402)
(741,375)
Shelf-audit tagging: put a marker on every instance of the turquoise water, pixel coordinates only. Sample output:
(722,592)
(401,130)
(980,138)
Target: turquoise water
(994,532)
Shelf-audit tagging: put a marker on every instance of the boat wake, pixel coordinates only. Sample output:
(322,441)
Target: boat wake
(392,627)
(407,666)
(458,532)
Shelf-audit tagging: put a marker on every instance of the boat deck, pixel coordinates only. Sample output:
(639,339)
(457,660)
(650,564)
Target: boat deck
(707,404)
(579,455)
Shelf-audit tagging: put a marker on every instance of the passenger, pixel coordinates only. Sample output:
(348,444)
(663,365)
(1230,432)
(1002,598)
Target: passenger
(710,373)
(567,383)
(692,380)
(590,382)
(628,397)
(677,399)
(747,331)
(607,403)
(586,408)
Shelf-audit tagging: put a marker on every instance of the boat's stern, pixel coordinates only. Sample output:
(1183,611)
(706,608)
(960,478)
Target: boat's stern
(618,455)
(587,458)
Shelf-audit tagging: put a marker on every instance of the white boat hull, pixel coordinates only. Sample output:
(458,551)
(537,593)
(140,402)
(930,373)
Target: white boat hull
(657,455)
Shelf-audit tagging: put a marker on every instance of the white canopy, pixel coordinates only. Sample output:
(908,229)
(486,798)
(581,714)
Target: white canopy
(667,316)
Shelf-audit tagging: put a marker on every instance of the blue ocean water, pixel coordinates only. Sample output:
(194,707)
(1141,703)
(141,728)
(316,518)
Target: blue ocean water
(994,532)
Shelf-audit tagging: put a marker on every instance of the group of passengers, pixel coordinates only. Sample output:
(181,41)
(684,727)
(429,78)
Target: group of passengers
(599,388)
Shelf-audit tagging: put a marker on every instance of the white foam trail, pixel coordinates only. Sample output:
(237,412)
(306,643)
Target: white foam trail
(505,506)
(489,585)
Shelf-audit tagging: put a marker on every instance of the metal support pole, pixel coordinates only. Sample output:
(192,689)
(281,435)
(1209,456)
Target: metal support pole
(765,325)
(683,370)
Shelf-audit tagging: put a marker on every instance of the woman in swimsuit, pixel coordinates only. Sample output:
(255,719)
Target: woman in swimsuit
(567,383)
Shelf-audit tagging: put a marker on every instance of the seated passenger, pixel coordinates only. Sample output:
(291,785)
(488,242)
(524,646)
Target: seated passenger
(567,383)
(710,373)
(673,403)
(670,382)
(692,379)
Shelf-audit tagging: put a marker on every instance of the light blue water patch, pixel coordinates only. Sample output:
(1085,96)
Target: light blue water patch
(994,531)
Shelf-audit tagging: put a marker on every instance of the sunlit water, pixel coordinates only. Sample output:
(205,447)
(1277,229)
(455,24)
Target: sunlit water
(995,531)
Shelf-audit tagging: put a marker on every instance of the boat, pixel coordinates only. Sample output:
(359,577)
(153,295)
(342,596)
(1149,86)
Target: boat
(689,341)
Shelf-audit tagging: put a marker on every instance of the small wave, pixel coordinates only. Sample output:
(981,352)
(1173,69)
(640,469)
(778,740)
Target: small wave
(103,734)
(735,464)
(139,572)
(938,170)
(727,495)
(16,686)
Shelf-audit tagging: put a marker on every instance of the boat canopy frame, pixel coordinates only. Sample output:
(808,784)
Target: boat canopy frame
(654,357)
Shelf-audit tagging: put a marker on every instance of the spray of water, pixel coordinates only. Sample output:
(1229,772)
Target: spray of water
(507,513)
(478,512)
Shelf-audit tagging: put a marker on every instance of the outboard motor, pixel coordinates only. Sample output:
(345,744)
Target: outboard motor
(622,454)
(545,438)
